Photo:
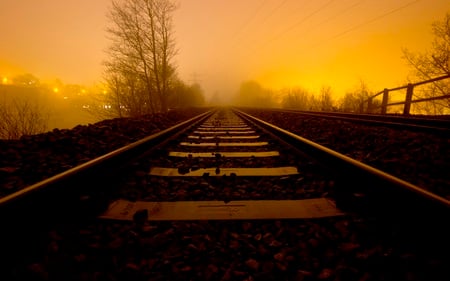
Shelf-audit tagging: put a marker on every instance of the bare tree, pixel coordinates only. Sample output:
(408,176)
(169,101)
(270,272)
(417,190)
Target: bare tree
(349,103)
(297,98)
(20,117)
(139,70)
(325,99)
(162,47)
(353,101)
(433,63)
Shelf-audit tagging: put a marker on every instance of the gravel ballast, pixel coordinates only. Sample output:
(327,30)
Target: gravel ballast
(350,247)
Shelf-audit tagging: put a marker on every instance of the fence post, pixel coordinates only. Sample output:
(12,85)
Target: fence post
(384,101)
(369,105)
(409,94)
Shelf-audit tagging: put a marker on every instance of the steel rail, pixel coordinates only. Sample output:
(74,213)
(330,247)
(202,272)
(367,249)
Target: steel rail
(89,175)
(429,125)
(382,190)
(440,121)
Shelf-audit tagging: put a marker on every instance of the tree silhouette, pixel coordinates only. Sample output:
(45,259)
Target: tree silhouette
(433,63)
(139,71)
(20,117)
(353,101)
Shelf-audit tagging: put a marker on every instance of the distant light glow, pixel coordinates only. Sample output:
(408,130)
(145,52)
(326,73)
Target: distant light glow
(83,91)
(56,90)
(5,80)
(65,98)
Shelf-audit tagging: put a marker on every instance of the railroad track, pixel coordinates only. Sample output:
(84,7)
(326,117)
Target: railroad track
(436,125)
(223,196)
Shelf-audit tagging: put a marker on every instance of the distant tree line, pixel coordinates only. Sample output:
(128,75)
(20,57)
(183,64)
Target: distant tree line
(252,94)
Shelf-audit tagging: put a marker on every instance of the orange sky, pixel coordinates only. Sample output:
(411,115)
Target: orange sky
(223,42)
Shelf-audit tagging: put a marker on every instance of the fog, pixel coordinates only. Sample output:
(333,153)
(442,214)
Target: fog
(282,46)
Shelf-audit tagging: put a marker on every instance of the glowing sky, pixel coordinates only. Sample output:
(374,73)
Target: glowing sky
(223,42)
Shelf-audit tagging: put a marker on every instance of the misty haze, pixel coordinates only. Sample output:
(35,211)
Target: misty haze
(64,63)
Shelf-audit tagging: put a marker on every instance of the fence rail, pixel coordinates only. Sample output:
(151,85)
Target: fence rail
(408,97)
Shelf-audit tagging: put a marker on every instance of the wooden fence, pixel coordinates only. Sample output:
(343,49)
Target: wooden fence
(408,97)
